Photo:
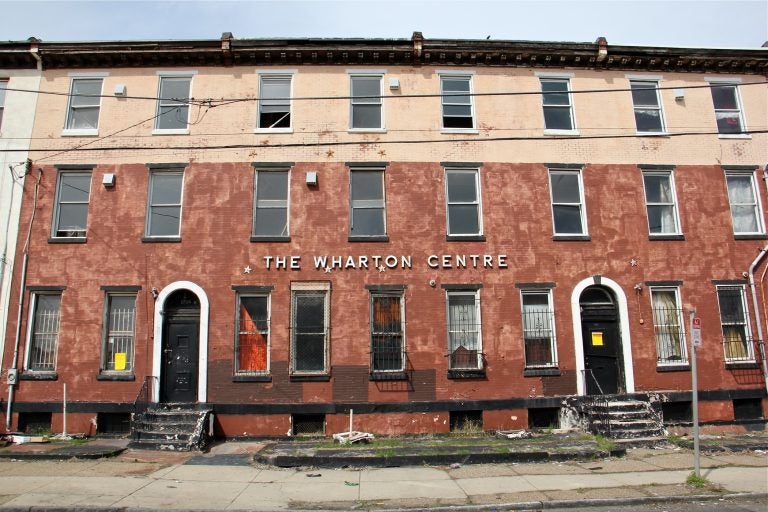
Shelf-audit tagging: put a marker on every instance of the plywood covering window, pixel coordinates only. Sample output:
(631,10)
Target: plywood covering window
(252,343)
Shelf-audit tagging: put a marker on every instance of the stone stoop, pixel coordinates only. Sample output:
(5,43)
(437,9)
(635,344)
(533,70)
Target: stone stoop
(628,421)
(176,427)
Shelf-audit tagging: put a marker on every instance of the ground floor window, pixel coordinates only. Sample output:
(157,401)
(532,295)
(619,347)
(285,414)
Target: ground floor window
(43,336)
(252,342)
(120,317)
(668,326)
(737,339)
(309,328)
(387,333)
(465,344)
(538,329)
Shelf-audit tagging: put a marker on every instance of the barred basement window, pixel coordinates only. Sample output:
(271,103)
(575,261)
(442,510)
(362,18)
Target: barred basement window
(465,344)
(737,337)
(387,333)
(118,346)
(668,327)
(43,338)
(539,329)
(252,344)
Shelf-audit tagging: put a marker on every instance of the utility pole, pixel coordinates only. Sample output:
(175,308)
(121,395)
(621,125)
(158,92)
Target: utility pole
(695,326)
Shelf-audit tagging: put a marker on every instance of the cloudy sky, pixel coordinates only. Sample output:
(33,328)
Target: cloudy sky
(704,23)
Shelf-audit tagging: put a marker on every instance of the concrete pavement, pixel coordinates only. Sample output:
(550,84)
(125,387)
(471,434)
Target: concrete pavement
(226,478)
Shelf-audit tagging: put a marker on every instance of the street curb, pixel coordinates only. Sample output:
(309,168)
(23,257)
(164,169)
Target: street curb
(62,455)
(345,461)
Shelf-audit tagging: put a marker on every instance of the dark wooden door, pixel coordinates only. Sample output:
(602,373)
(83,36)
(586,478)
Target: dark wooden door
(180,360)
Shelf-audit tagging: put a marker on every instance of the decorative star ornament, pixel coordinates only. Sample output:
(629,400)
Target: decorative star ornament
(381,268)
(327,270)
(247,269)
(633,262)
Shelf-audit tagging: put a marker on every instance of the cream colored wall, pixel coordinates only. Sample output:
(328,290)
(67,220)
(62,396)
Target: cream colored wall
(326,122)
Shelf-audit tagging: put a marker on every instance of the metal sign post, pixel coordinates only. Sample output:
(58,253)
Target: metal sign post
(695,342)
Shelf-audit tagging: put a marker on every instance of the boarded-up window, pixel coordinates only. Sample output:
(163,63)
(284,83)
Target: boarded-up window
(253,335)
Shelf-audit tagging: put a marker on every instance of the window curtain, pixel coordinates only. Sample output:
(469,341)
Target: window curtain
(667,325)
(742,198)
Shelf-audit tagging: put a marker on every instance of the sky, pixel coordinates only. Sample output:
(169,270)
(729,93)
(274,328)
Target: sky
(687,23)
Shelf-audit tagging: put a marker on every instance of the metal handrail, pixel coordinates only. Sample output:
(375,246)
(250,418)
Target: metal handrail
(141,403)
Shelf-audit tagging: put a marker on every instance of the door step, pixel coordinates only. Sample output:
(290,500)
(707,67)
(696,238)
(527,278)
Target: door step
(174,427)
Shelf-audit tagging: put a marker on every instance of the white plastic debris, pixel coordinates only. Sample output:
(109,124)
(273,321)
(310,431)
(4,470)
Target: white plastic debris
(514,434)
(353,437)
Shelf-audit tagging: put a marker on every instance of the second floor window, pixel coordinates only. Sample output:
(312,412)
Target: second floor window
(270,210)
(72,198)
(567,202)
(556,101)
(274,102)
(367,204)
(660,203)
(648,114)
(164,204)
(464,210)
(366,103)
(725,98)
(84,102)
(457,102)
(745,205)
(173,103)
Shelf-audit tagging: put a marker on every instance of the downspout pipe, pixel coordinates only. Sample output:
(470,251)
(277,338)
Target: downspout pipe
(22,285)
(755,306)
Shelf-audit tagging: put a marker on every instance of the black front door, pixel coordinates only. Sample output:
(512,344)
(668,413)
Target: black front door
(602,343)
(180,360)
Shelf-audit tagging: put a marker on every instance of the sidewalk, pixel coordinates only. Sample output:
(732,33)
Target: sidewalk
(227,478)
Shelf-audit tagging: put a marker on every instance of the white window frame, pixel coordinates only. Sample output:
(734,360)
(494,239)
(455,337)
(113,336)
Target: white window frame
(107,333)
(311,288)
(276,75)
(582,202)
(150,205)
(378,74)
(749,357)
(367,204)
(735,83)
(756,205)
(558,77)
(475,294)
(655,83)
(445,100)
(58,202)
(669,174)
(553,363)
(244,295)
(478,202)
(271,203)
(388,294)
(172,75)
(659,325)
(32,328)
(74,77)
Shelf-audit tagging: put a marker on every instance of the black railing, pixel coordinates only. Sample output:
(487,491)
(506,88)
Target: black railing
(596,407)
(144,396)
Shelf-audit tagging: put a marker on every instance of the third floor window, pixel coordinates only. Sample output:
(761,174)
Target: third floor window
(366,103)
(84,102)
(274,102)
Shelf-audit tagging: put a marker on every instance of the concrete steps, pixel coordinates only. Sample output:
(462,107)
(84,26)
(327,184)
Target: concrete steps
(626,420)
(176,427)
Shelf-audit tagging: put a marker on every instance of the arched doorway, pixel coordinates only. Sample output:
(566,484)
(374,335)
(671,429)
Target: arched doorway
(179,357)
(601,341)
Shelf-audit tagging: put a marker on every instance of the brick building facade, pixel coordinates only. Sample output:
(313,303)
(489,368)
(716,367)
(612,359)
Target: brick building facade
(424,231)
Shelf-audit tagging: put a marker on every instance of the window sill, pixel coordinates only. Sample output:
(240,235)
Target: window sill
(741,365)
(158,131)
(666,237)
(270,238)
(116,376)
(251,378)
(273,130)
(571,238)
(466,374)
(68,240)
(542,372)
(561,133)
(161,239)
(652,134)
(376,376)
(465,238)
(682,367)
(80,133)
(33,375)
(734,136)
(464,131)
(310,378)
(752,236)
(367,130)
(361,238)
